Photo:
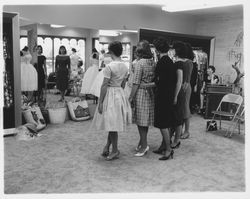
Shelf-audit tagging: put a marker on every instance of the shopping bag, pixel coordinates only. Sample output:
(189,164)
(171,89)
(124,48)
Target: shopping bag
(34,115)
(211,125)
(78,109)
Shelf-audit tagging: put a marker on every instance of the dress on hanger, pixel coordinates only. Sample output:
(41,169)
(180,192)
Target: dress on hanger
(89,76)
(29,80)
(96,86)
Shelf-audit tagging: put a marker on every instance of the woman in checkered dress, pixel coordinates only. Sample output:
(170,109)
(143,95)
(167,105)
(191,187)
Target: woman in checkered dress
(142,95)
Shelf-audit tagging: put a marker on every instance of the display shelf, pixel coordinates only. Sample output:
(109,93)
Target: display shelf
(12,71)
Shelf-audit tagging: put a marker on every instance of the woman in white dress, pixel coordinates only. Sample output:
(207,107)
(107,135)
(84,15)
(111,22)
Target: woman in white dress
(29,82)
(114,112)
(91,73)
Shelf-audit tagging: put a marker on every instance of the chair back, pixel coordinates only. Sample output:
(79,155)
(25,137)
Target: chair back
(233,99)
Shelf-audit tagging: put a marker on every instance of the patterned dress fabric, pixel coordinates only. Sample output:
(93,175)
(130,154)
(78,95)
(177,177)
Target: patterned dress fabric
(143,103)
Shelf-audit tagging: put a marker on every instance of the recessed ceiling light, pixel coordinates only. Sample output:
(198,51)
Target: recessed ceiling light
(56,26)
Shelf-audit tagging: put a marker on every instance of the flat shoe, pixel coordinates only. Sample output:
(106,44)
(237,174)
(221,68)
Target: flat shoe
(185,136)
(105,153)
(113,156)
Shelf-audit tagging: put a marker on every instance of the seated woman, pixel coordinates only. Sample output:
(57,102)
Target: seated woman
(210,78)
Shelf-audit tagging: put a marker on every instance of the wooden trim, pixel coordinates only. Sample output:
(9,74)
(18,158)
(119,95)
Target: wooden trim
(16,69)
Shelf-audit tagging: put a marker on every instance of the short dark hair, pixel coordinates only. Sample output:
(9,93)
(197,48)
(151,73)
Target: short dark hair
(62,47)
(39,46)
(161,45)
(143,50)
(212,68)
(189,51)
(74,50)
(115,47)
(180,49)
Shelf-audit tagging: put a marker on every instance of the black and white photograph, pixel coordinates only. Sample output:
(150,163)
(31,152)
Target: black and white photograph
(124,99)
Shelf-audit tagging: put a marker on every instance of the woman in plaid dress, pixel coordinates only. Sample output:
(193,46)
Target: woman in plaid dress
(142,95)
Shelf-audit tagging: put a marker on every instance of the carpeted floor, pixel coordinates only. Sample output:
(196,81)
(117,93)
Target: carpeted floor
(66,159)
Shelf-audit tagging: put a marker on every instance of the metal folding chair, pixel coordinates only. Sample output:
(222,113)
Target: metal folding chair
(239,118)
(234,103)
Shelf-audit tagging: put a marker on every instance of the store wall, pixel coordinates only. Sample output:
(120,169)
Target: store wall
(106,16)
(227,30)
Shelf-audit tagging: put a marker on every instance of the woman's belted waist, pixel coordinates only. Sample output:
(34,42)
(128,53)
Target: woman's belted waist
(147,85)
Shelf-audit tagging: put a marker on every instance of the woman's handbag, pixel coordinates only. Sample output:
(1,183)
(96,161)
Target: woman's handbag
(211,125)
(78,109)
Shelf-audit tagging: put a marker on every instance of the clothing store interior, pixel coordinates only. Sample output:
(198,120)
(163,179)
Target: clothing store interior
(80,78)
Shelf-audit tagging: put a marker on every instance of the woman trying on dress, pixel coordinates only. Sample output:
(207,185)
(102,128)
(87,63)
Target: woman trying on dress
(114,112)
(62,67)
(142,94)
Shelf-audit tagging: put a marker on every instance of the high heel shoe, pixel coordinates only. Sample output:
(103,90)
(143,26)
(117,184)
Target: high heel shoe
(137,148)
(159,151)
(171,155)
(176,146)
(140,154)
(113,156)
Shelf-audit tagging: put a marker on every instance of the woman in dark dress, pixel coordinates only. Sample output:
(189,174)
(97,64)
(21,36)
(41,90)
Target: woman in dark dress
(62,67)
(166,79)
(41,70)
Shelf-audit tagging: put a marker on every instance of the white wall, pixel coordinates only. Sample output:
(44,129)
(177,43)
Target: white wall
(225,28)
(106,16)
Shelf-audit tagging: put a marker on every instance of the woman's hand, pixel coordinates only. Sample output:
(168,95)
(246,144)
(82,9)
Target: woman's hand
(130,99)
(175,101)
(100,108)
(184,86)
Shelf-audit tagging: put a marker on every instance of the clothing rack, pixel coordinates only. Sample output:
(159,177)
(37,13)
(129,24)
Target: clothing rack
(197,48)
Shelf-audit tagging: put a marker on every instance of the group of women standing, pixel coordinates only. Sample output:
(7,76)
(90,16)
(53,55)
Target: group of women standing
(158,95)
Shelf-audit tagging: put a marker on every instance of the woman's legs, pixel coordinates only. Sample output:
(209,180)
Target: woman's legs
(186,131)
(107,146)
(201,101)
(178,131)
(62,94)
(113,135)
(166,139)
(143,131)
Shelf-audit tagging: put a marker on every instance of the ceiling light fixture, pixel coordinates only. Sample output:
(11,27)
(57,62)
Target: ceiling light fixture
(111,33)
(175,6)
(56,26)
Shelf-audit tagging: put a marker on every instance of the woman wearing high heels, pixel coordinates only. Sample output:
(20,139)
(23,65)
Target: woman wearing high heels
(167,79)
(114,112)
(62,67)
(186,86)
(142,94)
(179,94)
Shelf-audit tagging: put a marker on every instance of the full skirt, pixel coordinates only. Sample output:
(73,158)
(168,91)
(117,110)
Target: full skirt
(29,80)
(88,79)
(116,113)
(97,84)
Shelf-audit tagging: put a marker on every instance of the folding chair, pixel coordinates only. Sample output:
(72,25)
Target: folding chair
(234,103)
(239,118)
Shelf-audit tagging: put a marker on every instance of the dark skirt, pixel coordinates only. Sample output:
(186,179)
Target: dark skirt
(41,78)
(62,79)
(167,115)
